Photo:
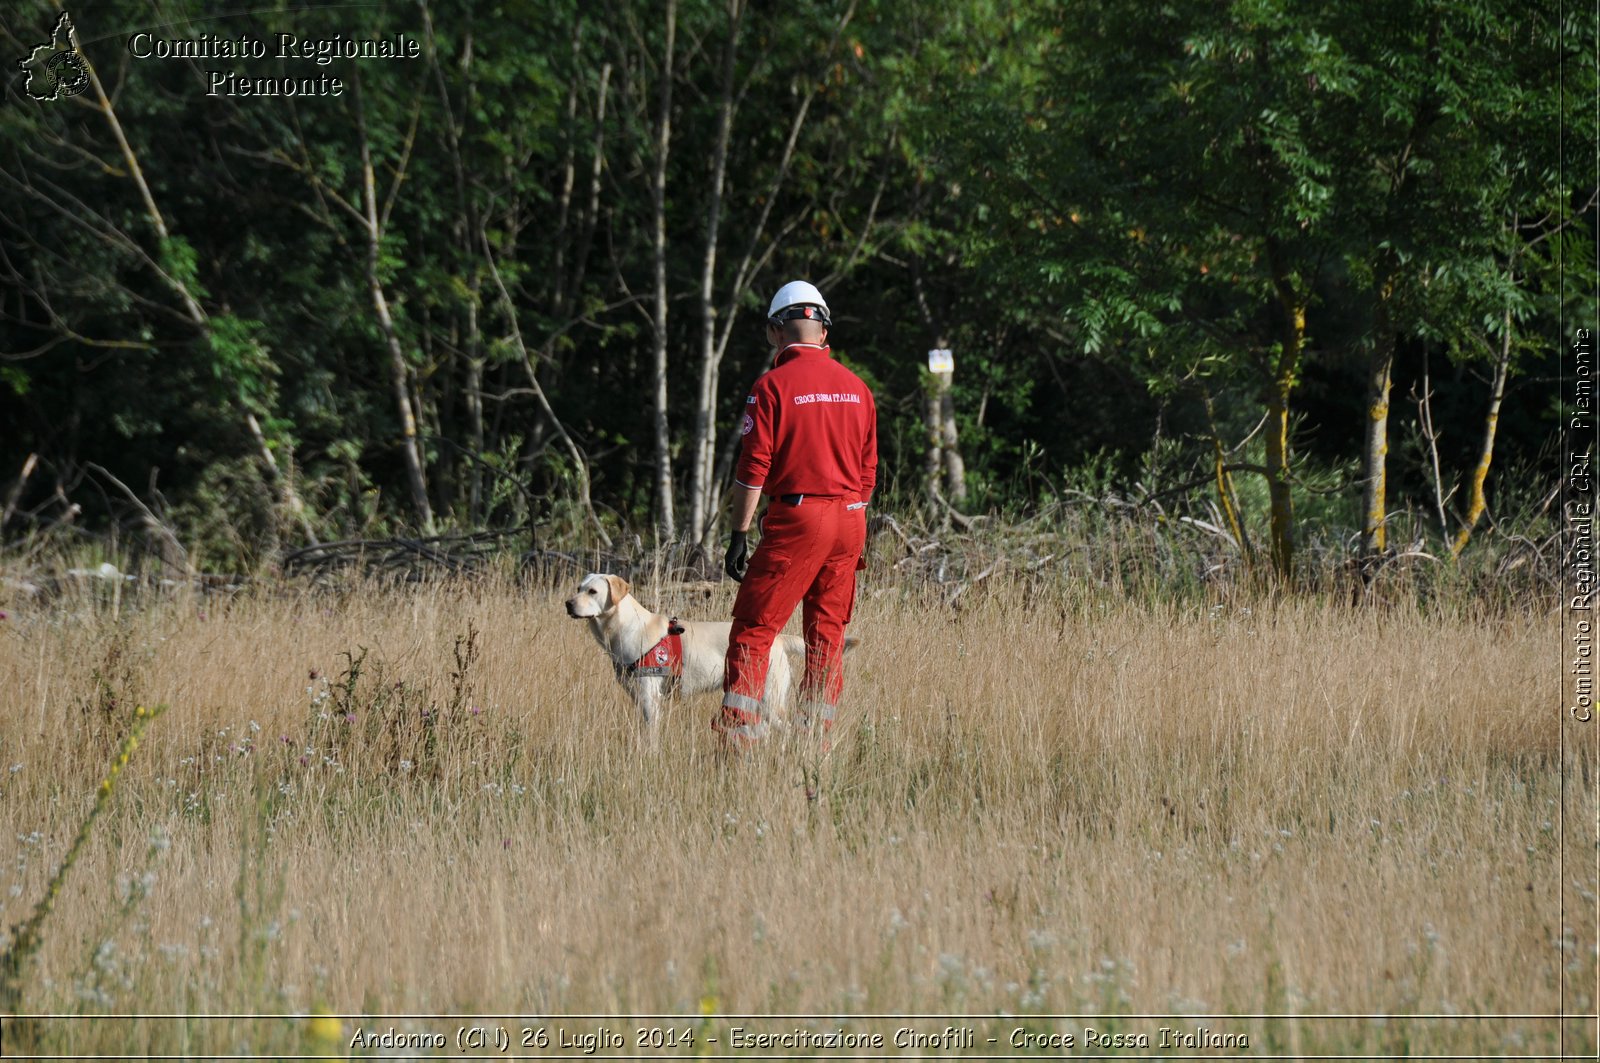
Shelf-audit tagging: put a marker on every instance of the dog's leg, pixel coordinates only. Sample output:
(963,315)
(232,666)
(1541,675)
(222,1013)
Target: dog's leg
(647,696)
(775,699)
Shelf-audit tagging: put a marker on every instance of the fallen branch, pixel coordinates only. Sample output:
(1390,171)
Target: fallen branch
(974,581)
(16,490)
(457,553)
(151,521)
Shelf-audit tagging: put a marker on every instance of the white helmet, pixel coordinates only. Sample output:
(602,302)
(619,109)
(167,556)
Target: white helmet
(799,299)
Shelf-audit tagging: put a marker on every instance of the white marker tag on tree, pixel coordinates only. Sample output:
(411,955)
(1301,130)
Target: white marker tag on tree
(941,360)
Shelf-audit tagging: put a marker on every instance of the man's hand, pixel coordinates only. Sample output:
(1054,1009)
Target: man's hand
(738,557)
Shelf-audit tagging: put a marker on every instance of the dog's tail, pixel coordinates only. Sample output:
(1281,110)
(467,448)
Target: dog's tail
(796,645)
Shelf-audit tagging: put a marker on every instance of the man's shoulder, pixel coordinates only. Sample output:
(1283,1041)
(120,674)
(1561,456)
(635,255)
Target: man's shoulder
(806,373)
(846,373)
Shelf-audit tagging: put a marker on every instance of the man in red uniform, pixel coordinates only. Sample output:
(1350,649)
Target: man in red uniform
(811,446)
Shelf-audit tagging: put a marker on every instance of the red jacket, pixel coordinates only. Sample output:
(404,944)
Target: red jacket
(810,428)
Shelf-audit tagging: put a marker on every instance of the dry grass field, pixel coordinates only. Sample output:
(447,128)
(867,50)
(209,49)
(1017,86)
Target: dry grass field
(435,800)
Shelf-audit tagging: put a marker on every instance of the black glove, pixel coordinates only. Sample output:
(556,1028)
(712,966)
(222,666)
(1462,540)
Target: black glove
(737,557)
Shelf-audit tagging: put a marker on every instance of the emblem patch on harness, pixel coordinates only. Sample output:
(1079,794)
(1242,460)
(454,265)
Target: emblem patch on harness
(665,658)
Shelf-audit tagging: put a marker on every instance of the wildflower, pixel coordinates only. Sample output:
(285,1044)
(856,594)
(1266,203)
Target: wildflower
(324,1030)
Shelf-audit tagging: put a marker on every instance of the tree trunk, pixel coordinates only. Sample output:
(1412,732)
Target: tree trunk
(732,443)
(434,393)
(288,496)
(464,228)
(1375,448)
(1375,452)
(569,177)
(592,213)
(703,447)
(400,385)
(955,469)
(943,463)
(1476,503)
(474,397)
(933,464)
(665,522)
(720,463)
(399,382)
(1227,496)
(1280,497)
(580,464)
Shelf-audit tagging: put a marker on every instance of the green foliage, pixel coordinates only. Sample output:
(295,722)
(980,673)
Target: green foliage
(241,361)
(181,263)
(1104,211)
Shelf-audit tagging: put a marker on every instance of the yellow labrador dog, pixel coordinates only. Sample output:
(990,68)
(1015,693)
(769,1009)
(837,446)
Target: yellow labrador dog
(651,658)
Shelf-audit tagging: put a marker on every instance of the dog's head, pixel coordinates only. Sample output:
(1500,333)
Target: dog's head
(597,595)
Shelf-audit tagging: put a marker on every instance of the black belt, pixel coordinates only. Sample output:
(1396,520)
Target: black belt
(795,500)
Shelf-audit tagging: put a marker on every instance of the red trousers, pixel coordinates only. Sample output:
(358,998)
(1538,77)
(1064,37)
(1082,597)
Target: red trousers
(809,554)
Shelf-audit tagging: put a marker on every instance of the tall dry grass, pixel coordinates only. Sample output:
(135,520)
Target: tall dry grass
(435,800)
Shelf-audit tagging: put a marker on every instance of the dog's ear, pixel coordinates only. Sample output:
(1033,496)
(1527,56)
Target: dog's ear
(619,588)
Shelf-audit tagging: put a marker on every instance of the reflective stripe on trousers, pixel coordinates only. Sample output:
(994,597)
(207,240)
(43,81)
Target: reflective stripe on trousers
(740,720)
(807,557)
(815,711)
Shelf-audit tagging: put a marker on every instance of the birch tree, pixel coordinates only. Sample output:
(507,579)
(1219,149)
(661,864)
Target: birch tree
(373,224)
(231,341)
(1187,182)
(666,523)
(766,221)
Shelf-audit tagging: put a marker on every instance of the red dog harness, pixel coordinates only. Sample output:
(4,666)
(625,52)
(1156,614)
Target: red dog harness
(665,658)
